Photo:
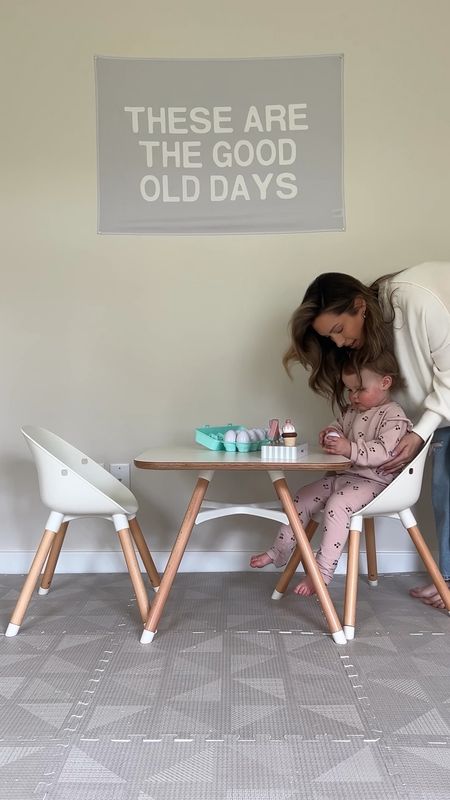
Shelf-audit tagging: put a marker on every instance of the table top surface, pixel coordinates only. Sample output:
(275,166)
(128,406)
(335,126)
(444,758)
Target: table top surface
(196,457)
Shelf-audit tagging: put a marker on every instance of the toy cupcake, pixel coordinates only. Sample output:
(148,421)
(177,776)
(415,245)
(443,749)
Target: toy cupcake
(289,434)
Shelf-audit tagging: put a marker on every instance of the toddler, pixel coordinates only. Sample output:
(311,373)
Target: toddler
(369,429)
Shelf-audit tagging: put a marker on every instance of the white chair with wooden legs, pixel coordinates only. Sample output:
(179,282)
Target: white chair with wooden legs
(73,486)
(395,502)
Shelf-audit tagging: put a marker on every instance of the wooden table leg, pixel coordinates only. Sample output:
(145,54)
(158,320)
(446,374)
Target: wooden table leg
(307,556)
(144,552)
(176,555)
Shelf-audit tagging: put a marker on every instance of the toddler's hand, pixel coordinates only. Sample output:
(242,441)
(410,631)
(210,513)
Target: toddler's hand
(323,434)
(337,446)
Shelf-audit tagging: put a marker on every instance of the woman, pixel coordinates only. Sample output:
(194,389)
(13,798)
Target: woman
(409,314)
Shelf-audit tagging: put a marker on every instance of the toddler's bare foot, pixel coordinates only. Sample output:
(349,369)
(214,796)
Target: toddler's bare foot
(305,588)
(261,560)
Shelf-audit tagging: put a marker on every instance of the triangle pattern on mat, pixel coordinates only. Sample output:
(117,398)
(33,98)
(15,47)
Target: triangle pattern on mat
(214,645)
(200,768)
(171,719)
(189,666)
(384,642)
(432,755)
(347,714)
(104,715)
(81,768)
(208,692)
(56,664)
(404,686)
(51,713)
(243,661)
(239,619)
(300,667)
(73,640)
(10,754)
(38,642)
(359,768)
(9,659)
(266,641)
(272,686)
(427,724)
(297,640)
(430,668)
(39,689)
(243,715)
(9,685)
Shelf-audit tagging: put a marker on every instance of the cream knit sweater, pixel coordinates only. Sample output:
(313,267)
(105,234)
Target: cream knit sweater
(421,299)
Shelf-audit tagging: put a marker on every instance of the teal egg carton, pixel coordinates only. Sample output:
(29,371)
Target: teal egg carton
(212,437)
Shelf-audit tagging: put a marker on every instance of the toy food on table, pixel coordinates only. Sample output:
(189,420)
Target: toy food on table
(332,435)
(289,434)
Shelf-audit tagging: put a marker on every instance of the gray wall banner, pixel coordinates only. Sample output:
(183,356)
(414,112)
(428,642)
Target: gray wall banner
(219,146)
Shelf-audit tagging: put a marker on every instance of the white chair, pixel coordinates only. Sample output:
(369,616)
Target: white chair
(395,501)
(73,486)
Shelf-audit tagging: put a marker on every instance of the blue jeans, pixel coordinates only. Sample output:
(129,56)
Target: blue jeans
(441,495)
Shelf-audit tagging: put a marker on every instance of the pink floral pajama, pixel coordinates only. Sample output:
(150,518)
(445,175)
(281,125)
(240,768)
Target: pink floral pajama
(373,435)
(340,496)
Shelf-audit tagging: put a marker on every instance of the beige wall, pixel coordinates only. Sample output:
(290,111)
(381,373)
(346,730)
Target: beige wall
(117,342)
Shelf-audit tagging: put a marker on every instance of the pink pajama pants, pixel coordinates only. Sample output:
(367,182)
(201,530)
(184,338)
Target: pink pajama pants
(339,496)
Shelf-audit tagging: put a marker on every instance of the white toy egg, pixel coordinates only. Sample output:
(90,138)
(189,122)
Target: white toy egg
(333,435)
(229,436)
(242,437)
(260,433)
(252,435)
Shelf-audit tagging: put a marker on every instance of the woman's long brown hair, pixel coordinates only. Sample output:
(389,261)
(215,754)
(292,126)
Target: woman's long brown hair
(336,292)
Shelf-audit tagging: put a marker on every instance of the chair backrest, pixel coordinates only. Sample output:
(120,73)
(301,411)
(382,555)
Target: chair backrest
(71,482)
(404,490)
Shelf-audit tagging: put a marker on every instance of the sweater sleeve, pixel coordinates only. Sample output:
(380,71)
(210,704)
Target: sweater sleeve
(420,297)
(337,424)
(376,452)
(437,402)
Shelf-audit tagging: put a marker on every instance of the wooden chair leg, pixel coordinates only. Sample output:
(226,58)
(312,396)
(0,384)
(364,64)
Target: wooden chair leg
(293,563)
(431,566)
(135,573)
(351,584)
(30,583)
(371,551)
(52,560)
(144,553)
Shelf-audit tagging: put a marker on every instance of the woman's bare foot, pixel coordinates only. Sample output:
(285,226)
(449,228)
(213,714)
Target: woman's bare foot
(428,594)
(305,588)
(261,560)
(423,591)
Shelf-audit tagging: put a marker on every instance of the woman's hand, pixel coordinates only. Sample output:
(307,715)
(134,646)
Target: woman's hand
(407,448)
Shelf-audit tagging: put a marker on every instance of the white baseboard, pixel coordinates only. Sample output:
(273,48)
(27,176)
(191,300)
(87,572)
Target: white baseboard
(78,561)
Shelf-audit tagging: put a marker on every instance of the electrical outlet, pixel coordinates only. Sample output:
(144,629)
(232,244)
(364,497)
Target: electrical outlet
(121,472)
